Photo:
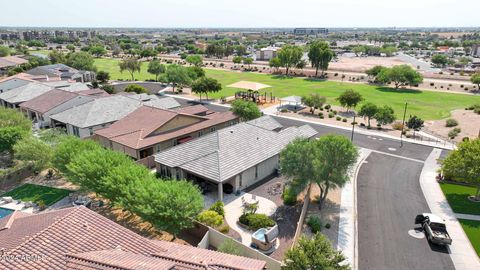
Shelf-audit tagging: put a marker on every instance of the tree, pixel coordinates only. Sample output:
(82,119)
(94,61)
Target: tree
(246,110)
(137,89)
(4,51)
(275,63)
(368,110)
(131,65)
(247,61)
(374,71)
(210,218)
(237,59)
(156,68)
(170,205)
(71,47)
(177,76)
(358,50)
(34,152)
(463,164)
(439,60)
(81,61)
(316,253)
(68,148)
(301,65)
(385,115)
(206,85)
(97,50)
(195,60)
(475,79)
(400,75)
(148,52)
(240,50)
(415,123)
(57,57)
(289,56)
(320,56)
(350,99)
(195,72)
(103,76)
(314,101)
(13,127)
(324,162)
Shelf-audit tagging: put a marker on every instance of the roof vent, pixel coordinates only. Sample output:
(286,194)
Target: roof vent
(231,131)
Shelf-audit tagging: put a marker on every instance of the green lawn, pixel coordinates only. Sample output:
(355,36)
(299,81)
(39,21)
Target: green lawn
(457,196)
(36,193)
(472,229)
(426,104)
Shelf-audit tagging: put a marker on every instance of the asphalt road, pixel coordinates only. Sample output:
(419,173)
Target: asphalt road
(388,199)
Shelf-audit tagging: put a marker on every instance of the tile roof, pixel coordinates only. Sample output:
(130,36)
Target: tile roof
(195,109)
(25,92)
(100,111)
(48,100)
(135,130)
(225,153)
(11,61)
(78,238)
(265,122)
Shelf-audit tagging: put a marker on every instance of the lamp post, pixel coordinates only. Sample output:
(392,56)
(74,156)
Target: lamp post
(353,126)
(403,124)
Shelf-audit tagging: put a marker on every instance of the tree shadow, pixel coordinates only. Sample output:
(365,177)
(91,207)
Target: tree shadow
(281,77)
(314,79)
(400,90)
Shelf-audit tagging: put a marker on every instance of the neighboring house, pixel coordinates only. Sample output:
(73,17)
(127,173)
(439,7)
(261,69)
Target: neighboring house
(52,102)
(148,130)
(84,119)
(265,54)
(475,50)
(10,83)
(71,86)
(64,72)
(8,62)
(18,95)
(79,238)
(237,156)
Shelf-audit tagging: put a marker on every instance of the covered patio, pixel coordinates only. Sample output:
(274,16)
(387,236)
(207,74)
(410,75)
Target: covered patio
(292,103)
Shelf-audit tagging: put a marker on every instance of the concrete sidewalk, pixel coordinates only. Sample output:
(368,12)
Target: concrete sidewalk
(347,228)
(461,251)
(467,216)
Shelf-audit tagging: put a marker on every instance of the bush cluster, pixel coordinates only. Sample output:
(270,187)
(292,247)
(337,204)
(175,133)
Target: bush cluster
(314,223)
(451,123)
(289,197)
(256,221)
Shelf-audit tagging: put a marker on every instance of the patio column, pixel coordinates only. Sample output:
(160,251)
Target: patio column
(237,183)
(220,191)
(173,173)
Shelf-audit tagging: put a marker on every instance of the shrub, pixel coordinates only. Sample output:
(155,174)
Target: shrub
(331,115)
(454,132)
(327,225)
(327,107)
(224,228)
(289,197)
(461,85)
(228,246)
(432,84)
(256,221)
(320,114)
(218,207)
(397,125)
(451,123)
(334,111)
(344,120)
(283,110)
(465,139)
(314,223)
(338,118)
(362,124)
(210,218)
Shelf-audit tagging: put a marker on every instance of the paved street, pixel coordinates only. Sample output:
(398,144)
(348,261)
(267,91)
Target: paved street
(388,198)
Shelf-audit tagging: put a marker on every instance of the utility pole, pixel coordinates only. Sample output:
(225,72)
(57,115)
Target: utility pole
(353,126)
(403,125)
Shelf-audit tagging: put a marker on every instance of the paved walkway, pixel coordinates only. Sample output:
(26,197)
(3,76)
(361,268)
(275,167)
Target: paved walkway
(347,232)
(234,209)
(461,251)
(467,216)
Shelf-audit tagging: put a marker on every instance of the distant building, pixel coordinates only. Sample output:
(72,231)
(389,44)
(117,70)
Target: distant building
(476,50)
(8,62)
(310,31)
(267,53)
(64,72)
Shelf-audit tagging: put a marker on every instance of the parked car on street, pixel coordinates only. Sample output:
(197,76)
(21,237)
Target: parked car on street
(434,228)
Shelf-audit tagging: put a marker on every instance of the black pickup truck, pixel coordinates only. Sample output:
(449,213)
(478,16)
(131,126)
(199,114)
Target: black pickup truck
(434,228)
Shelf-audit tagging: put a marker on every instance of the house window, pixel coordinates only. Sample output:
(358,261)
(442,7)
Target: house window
(76,131)
(175,142)
(200,133)
(256,171)
(212,129)
(158,147)
(90,130)
(241,180)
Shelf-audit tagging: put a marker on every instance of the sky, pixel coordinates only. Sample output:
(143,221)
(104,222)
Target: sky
(240,13)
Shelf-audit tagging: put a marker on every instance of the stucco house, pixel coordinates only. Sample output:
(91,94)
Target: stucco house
(14,97)
(235,157)
(148,129)
(83,120)
(64,72)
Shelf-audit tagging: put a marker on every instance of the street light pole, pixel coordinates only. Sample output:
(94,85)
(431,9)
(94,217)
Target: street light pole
(353,126)
(403,125)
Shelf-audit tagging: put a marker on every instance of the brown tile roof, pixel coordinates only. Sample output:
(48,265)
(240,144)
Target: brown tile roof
(78,238)
(48,100)
(10,61)
(135,130)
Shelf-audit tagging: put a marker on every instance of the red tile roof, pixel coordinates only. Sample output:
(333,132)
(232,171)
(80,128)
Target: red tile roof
(78,238)
(135,130)
(48,100)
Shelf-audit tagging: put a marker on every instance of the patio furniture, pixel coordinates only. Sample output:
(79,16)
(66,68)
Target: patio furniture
(82,200)
(265,239)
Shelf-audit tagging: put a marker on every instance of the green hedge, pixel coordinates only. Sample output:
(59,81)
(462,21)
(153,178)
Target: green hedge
(256,221)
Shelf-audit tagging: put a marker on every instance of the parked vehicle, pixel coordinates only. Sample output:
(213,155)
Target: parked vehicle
(434,228)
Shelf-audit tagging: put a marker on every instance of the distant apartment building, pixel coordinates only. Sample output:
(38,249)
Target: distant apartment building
(265,54)
(310,31)
(476,50)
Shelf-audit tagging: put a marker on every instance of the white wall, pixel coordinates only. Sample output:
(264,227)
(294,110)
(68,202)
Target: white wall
(264,169)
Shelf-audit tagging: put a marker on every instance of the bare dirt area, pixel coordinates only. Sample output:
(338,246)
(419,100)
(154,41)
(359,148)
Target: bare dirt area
(361,64)
(468,122)
(56,181)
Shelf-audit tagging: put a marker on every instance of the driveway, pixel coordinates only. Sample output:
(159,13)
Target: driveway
(389,196)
